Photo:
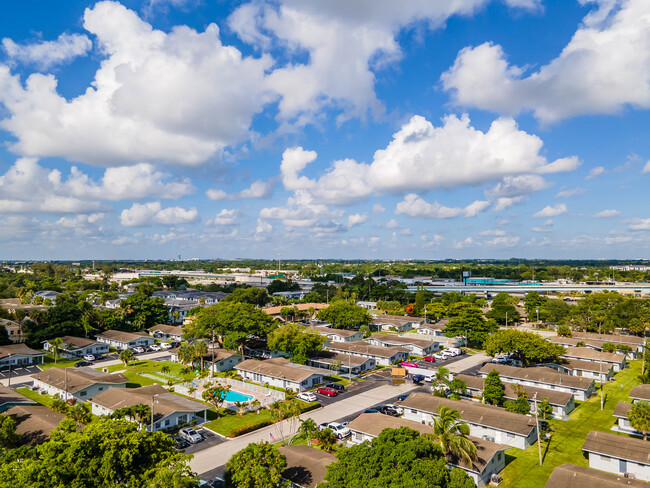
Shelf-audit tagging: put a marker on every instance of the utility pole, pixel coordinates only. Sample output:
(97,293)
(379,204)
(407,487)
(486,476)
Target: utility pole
(600,373)
(65,370)
(539,444)
(152,412)
(9,380)
(212,365)
(350,367)
(506,319)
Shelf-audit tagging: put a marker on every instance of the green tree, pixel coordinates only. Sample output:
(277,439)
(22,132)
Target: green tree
(8,436)
(104,453)
(56,344)
(545,410)
(554,310)
(326,439)
(397,458)
(466,319)
(296,340)
(563,331)
(185,353)
(639,417)
(253,295)
(126,356)
(59,404)
(533,302)
(520,405)
(450,433)
(529,347)
(308,429)
(343,314)
(457,387)
(493,389)
(442,377)
(140,311)
(199,351)
(256,466)
(80,413)
(215,395)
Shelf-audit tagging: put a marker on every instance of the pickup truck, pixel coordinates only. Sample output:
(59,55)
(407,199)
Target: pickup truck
(339,430)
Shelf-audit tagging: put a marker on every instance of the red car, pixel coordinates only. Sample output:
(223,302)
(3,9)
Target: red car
(327,391)
(429,359)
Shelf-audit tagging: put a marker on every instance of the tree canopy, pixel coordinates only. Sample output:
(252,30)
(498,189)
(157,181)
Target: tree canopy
(256,466)
(344,314)
(493,389)
(296,340)
(529,347)
(466,319)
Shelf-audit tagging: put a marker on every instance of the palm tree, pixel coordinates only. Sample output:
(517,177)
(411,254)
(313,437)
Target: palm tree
(165,369)
(442,377)
(200,350)
(450,433)
(80,413)
(241,406)
(639,417)
(56,345)
(126,356)
(185,353)
(308,429)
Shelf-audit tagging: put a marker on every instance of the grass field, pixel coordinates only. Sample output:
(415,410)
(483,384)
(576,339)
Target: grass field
(48,362)
(565,445)
(34,395)
(145,373)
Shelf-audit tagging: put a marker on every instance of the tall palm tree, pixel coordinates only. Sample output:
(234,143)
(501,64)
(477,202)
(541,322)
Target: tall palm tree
(442,377)
(126,356)
(450,433)
(185,353)
(639,417)
(200,349)
(309,429)
(56,346)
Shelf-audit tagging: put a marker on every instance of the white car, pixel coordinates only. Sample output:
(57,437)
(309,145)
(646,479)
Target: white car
(440,356)
(190,435)
(399,409)
(154,347)
(339,430)
(138,349)
(306,396)
(89,357)
(165,345)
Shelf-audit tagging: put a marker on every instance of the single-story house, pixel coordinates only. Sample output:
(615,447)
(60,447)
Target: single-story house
(543,377)
(367,305)
(433,329)
(191,295)
(124,340)
(382,355)
(640,393)
(79,383)
(342,363)
(164,331)
(276,312)
(281,373)
(617,361)
(563,403)
(618,454)
(291,295)
(306,466)
(414,320)
(417,347)
(169,409)
(573,342)
(10,398)
(491,457)
(178,309)
(635,342)
(338,335)
(587,369)
(623,424)
(224,359)
(47,295)
(391,325)
(19,355)
(574,476)
(13,329)
(34,423)
(488,422)
(77,346)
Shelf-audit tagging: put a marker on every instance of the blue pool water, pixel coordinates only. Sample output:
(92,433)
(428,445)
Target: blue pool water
(235,396)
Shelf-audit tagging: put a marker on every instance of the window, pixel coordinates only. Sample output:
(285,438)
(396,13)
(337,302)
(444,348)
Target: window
(101,388)
(166,422)
(83,393)
(157,425)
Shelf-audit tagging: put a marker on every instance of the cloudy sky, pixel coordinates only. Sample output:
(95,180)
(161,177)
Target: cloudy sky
(338,128)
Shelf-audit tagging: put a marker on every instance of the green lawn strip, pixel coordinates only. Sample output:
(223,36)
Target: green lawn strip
(36,396)
(48,362)
(135,370)
(568,437)
(334,378)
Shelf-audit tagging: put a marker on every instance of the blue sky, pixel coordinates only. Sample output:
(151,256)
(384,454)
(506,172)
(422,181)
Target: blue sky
(367,129)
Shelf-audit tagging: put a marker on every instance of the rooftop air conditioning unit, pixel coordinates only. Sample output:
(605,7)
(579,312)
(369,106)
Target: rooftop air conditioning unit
(495,480)
(488,438)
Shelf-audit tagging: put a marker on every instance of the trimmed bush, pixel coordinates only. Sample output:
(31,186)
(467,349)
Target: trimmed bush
(245,429)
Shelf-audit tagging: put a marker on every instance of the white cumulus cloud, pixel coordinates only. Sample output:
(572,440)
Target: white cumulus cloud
(146,214)
(414,206)
(606,214)
(551,211)
(46,54)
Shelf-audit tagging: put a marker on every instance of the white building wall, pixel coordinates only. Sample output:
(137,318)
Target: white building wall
(578,394)
(310,382)
(619,466)
(81,395)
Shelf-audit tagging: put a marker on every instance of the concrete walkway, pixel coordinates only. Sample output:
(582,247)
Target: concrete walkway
(215,456)
(468,362)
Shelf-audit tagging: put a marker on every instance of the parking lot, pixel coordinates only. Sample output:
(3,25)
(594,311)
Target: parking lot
(209,439)
(439,362)
(19,371)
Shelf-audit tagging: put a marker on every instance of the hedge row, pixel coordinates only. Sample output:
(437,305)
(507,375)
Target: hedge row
(245,429)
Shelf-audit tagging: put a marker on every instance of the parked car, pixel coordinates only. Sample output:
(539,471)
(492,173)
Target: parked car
(181,444)
(324,390)
(408,364)
(306,396)
(190,435)
(89,357)
(371,410)
(440,356)
(335,386)
(403,397)
(138,349)
(81,364)
(389,410)
(175,343)
(165,345)
(339,430)
(154,347)
(429,359)
(399,409)
(417,378)
(502,359)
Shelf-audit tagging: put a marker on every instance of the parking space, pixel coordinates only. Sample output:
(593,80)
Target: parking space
(369,382)
(439,362)
(209,439)
(19,371)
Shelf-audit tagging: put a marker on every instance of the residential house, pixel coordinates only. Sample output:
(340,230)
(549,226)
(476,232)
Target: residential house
(34,423)
(417,347)
(635,342)
(76,347)
(164,331)
(281,373)
(276,312)
(169,409)
(306,466)
(623,424)
(125,340)
(344,364)
(401,324)
(640,393)
(588,369)
(79,383)
(618,454)
(224,359)
(414,320)
(543,377)
(338,335)
(488,422)
(433,329)
(291,295)
(178,309)
(367,305)
(574,476)
(191,295)
(490,460)
(13,329)
(19,355)
(9,398)
(382,355)
(617,361)
(47,295)
(563,403)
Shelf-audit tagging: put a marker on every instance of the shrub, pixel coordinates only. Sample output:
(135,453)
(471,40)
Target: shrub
(245,429)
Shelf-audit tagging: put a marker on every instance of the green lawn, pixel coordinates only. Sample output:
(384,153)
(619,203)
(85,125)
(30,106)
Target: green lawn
(145,373)
(565,445)
(34,395)
(48,362)
(335,378)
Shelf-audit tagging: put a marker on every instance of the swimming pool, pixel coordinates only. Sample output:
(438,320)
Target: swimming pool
(235,396)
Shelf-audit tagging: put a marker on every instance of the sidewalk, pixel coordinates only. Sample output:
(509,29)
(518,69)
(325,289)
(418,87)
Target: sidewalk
(218,455)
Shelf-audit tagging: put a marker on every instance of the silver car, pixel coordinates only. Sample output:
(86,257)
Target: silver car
(190,435)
